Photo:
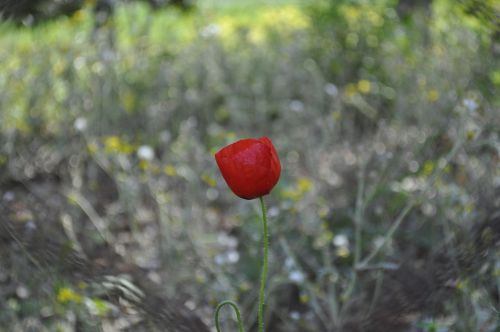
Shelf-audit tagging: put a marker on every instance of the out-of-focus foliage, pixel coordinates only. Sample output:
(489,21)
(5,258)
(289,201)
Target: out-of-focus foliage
(386,119)
(31,12)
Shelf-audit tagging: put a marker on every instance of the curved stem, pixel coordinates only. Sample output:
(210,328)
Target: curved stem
(263,276)
(236,310)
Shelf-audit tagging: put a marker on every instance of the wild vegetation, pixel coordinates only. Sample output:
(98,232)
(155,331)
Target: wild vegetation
(386,118)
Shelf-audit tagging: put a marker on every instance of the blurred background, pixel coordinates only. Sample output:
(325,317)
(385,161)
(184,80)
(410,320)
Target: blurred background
(386,117)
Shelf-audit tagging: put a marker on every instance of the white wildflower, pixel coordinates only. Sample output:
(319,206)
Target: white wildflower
(145,152)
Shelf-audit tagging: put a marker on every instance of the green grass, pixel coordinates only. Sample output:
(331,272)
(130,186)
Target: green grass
(387,128)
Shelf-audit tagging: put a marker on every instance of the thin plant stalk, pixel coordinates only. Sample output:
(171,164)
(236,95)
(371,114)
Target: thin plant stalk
(236,310)
(358,227)
(411,203)
(263,277)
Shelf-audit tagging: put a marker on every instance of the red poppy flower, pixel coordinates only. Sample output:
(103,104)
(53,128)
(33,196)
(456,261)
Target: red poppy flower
(251,167)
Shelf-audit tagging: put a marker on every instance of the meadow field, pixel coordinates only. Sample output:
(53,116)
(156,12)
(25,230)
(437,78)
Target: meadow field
(386,118)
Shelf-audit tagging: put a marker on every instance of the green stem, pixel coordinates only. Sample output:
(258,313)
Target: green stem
(236,310)
(264,267)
